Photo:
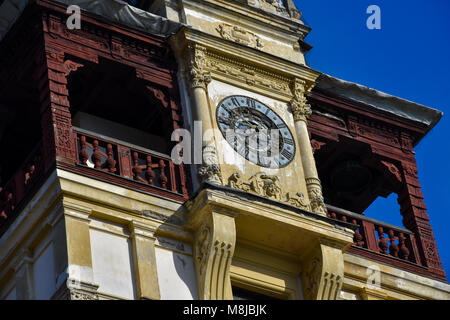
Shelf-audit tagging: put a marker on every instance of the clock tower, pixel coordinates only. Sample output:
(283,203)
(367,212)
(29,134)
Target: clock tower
(244,78)
(184,150)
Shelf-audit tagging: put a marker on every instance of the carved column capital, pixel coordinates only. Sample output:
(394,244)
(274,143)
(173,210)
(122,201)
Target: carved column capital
(300,109)
(323,272)
(198,75)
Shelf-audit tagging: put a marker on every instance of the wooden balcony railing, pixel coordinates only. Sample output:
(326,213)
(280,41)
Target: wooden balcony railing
(151,170)
(13,193)
(381,241)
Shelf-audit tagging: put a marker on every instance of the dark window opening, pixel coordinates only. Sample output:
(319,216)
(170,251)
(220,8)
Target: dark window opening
(108,99)
(243,294)
(20,126)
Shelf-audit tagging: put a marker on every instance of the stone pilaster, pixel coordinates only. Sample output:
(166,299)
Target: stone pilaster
(301,112)
(144,257)
(80,282)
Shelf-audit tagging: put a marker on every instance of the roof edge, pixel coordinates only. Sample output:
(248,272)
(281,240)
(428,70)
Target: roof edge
(379,100)
(113,10)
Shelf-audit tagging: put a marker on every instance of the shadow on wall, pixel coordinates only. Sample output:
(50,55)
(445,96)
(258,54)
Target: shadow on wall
(175,263)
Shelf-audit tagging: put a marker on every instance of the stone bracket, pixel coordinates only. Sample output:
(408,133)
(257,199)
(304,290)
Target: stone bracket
(214,244)
(323,271)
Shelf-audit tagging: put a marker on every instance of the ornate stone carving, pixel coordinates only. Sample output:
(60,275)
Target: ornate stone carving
(80,295)
(268,186)
(273,6)
(300,109)
(239,35)
(233,70)
(210,171)
(76,290)
(203,246)
(292,9)
(214,248)
(323,272)
(262,184)
(317,201)
(311,277)
(298,200)
(199,76)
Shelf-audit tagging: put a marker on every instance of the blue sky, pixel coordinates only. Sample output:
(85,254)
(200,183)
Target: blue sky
(409,58)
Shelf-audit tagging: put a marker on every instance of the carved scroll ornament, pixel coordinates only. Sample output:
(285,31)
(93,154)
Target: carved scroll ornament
(239,35)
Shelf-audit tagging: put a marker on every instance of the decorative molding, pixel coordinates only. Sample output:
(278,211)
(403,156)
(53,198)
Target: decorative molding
(273,6)
(210,171)
(76,290)
(317,201)
(393,170)
(230,69)
(261,184)
(268,186)
(159,94)
(70,66)
(239,35)
(197,62)
(292,9)
(300,109)
(317,145)
(298,200)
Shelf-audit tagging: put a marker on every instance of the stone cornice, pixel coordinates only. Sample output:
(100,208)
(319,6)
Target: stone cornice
(285,25)
(246,67)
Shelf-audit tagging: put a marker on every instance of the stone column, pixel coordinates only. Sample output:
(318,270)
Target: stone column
(144,258)
(198,80)
(301,112)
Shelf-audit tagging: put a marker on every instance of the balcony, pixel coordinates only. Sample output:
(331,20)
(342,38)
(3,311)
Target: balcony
(129,165)
(15,193)
(383,242)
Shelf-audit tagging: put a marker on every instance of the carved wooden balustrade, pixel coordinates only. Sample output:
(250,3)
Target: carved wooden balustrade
(382,242)
(20,186)
(150,171)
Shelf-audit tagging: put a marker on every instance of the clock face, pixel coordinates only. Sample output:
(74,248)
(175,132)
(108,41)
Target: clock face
(255,131)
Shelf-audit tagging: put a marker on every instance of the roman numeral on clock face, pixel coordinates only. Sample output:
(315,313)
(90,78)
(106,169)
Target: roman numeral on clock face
(235,101)
(288,141)
(285,153)
(251,103)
